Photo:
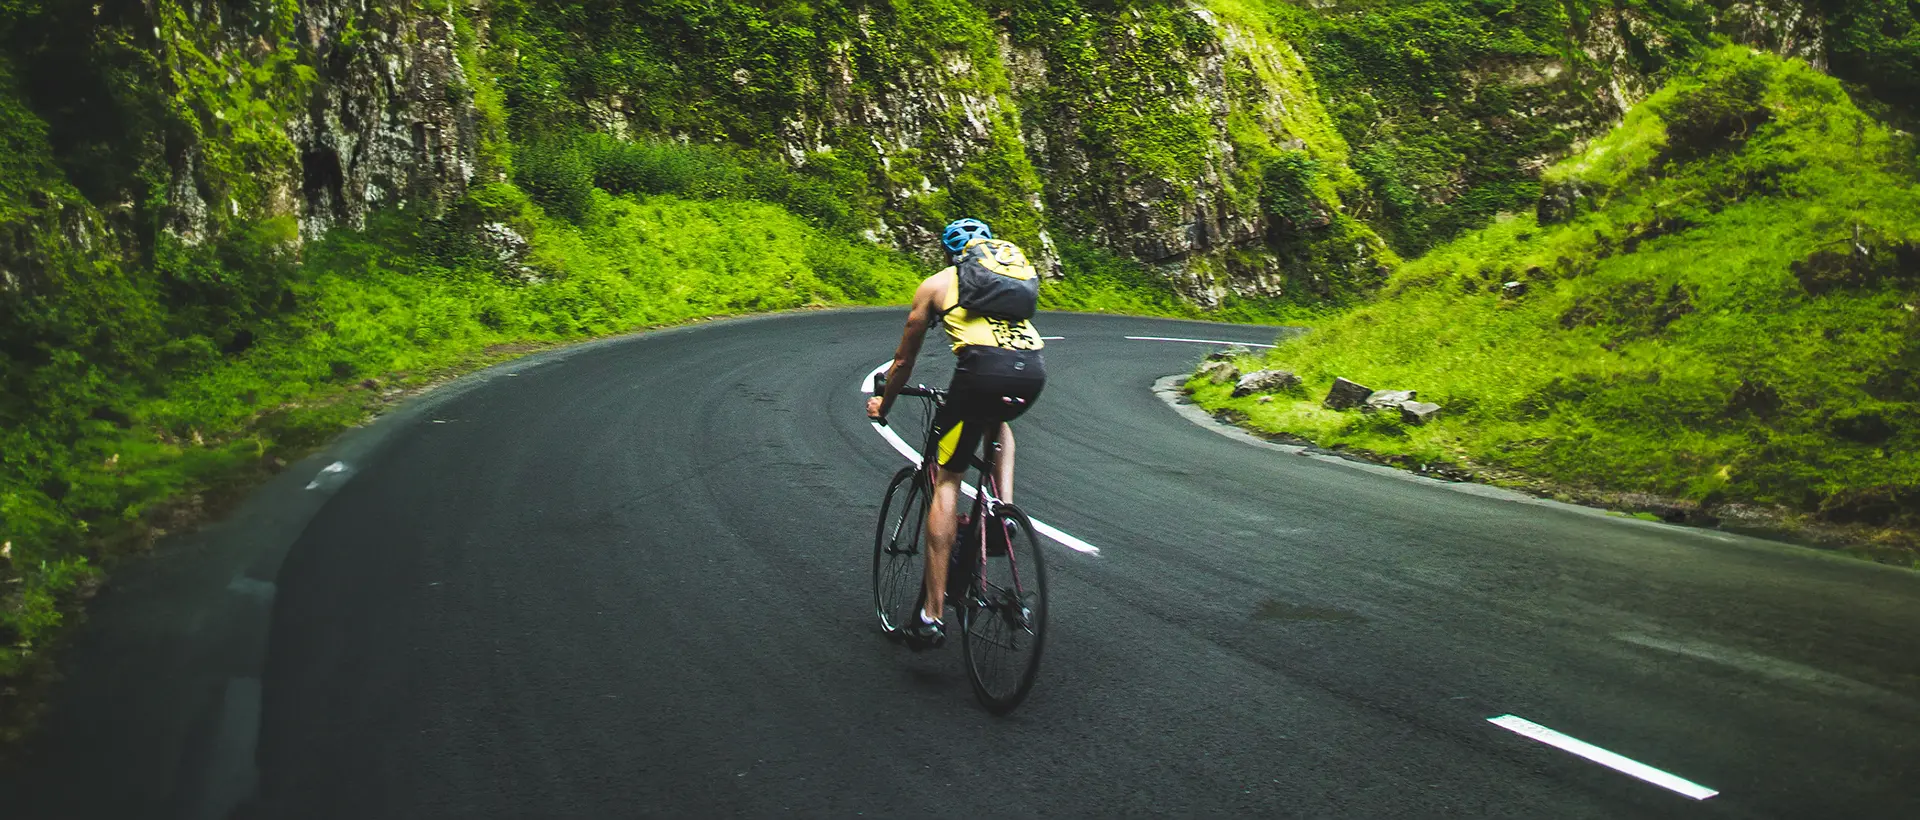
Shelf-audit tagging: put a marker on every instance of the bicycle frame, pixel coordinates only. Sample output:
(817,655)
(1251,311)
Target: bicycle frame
(985,499)
(1001,606)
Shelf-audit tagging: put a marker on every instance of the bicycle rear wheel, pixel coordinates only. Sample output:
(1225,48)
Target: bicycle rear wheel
(1004,622)
(897,541)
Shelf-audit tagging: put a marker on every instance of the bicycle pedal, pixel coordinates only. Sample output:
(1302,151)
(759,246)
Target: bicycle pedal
(1020,618)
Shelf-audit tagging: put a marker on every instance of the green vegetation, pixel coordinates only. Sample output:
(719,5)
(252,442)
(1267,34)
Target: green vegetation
(1125,79)
(397,303)
(1100,282)
(1416,89)
(751,75)
(151,366)
(1720,306)
(1876,43)
(1446,104)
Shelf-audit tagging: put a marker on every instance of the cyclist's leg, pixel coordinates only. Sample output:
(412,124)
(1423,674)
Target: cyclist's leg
(954,438)
(1003,464)
(942,529)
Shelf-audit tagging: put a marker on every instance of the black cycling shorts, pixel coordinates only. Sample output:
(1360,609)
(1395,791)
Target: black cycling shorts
(990,385)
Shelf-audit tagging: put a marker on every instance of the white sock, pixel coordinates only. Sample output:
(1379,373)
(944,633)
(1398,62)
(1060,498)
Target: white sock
(926,620)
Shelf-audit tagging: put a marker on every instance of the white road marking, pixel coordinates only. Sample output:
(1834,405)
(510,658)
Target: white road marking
(1529,729)
(331,469)
(905,449)
(230,776)
(1051,338)
(254,588)
(1195,341)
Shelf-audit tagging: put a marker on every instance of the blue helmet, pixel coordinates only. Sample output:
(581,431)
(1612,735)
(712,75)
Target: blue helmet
(961,231)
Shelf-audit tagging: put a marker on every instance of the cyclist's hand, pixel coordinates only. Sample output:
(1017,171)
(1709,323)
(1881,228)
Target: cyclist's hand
(873,410)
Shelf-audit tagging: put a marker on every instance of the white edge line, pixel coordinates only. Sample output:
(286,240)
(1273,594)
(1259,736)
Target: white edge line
(1195,341)
(1529,729)
(1052,338)
(913,455)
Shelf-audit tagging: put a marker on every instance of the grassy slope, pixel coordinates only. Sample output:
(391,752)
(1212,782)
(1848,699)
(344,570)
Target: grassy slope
(1676,338)
(400,301)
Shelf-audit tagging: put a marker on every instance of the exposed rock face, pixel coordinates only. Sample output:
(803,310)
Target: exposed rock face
(1177,208)
(378,114)
(927,124)
(1161,181)
(1786,27)
(1144,131)
(1613,37)
(391,119)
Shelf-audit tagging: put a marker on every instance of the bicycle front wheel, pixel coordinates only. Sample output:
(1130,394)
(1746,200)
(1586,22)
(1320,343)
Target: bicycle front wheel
(897,541)
(1004,620)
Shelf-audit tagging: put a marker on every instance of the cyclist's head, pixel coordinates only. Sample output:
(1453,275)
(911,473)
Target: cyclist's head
(961,231)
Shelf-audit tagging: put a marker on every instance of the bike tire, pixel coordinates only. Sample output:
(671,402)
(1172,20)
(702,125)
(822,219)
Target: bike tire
(898,539)
(1002,647)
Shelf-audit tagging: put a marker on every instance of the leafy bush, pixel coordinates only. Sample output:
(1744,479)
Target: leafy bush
(1721,110)
(1287,190)
(561,172)
(1876,43)
(556,174)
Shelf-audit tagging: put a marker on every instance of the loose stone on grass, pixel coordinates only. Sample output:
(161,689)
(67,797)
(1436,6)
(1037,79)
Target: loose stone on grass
(1265,381)
(1386,400)
(1346,394)
(1418,412)
(1218,372)
(1228,353)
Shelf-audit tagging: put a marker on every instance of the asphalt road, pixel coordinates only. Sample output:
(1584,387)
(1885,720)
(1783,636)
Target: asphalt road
(632,579)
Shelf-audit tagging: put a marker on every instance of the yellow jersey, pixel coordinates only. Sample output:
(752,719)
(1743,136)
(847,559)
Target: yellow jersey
(966,328)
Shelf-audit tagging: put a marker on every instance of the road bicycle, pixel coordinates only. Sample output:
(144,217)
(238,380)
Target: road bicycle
(997,585)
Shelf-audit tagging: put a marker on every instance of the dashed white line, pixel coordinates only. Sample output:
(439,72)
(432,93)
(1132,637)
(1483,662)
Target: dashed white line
(905,449)
(1195,341)
(330,470)
(1633,768)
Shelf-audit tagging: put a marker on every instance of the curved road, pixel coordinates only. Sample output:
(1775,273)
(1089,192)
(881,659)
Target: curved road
(632,579)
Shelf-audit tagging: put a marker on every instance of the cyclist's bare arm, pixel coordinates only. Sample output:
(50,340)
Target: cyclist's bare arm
(925,305)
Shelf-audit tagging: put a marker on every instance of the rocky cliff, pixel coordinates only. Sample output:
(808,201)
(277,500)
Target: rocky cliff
(1250,148)
(1239,148)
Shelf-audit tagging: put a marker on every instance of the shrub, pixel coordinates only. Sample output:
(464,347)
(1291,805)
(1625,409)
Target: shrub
(554,174)
(1719,112)
(1286,191)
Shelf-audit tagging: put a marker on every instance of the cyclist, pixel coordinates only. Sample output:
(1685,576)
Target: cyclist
(998,375)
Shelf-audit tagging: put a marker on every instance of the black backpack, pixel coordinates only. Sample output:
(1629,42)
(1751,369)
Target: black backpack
(997,280)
